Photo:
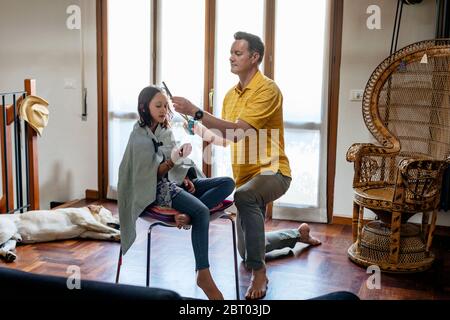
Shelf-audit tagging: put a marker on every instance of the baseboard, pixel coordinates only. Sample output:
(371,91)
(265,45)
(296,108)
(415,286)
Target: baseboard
(92,194)
(67,204)
(346,220)
(342,220)
(440,230)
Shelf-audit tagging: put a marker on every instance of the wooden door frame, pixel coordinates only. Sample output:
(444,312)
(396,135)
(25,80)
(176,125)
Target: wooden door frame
(337,14)
(209,72)
(102,97)
(335,49)
(269,38)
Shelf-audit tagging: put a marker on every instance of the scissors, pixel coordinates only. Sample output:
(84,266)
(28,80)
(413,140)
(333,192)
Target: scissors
(190,122)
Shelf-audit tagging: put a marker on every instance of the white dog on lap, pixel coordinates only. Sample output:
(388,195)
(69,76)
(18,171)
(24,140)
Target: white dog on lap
(93,222)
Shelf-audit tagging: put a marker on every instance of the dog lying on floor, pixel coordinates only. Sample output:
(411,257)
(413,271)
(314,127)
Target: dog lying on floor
(93,222)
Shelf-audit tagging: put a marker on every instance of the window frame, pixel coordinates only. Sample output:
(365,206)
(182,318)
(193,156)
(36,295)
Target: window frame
(335,44)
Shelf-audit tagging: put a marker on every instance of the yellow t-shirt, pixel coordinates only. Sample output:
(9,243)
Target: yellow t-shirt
(260,104)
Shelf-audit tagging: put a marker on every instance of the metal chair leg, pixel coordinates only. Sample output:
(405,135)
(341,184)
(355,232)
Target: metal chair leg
(149,237)
(149,241)
(236,273)
(119,265)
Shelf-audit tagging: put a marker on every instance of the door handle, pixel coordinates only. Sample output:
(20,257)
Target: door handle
(211,100)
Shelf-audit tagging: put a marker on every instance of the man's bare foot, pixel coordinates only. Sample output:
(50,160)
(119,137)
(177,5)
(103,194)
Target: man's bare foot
(258,286)
(207,284)
(182,220)
(305,235)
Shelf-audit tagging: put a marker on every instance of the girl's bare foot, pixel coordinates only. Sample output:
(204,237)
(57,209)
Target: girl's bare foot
(207,284)
(182,220)
(305,235)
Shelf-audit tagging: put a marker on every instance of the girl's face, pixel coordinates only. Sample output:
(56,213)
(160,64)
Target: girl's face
(159,108)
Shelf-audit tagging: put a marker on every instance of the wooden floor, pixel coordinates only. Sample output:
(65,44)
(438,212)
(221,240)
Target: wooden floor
(302,273)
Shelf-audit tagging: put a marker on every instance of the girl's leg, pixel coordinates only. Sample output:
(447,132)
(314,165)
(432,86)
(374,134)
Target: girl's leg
(188,204)
(212,191)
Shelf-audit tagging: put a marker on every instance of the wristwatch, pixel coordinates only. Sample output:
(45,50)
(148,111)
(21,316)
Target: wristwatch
(198,114)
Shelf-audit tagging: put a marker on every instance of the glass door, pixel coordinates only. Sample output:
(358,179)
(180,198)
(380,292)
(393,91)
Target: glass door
(300,67)
(300,71)
(228,22)
(129,52)
(179,63)
(180,59)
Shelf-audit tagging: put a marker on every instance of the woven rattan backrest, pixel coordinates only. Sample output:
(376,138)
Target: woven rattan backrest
(406,102)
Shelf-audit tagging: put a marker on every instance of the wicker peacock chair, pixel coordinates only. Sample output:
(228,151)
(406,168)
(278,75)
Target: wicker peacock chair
(406,107)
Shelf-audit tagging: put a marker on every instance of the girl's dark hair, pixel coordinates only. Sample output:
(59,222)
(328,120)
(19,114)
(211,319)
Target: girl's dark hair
(146,95)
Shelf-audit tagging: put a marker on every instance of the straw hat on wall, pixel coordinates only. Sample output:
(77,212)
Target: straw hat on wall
(34,110)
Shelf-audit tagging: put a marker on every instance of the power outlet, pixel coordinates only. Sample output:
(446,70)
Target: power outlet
(356,95)
(70,83)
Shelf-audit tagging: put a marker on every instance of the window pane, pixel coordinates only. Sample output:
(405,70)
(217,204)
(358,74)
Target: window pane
(119,132)
(128,58)
(231,16)
(181,59)
(299,67)
(128,72)
(303,149)
(299,59)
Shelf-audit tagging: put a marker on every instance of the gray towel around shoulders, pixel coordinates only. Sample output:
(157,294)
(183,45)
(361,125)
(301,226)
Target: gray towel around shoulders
(138,176)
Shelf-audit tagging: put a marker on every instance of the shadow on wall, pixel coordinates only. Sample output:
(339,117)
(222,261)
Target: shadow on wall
(58,187)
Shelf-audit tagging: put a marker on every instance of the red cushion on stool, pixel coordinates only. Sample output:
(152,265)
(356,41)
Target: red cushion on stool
(225,204)
(167,214)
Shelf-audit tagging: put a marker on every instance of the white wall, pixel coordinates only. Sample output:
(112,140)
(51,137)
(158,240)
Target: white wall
(35,43)
(362,51)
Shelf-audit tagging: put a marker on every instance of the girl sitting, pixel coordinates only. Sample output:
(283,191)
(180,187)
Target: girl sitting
(154,171)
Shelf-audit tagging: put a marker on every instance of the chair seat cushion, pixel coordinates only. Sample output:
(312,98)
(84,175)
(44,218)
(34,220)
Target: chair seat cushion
(382,200)
(167,214)
(383,194)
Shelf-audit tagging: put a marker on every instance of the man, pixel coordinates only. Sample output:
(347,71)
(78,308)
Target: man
(252,111)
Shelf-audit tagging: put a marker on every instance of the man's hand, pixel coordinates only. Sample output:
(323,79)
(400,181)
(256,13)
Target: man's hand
(184,106)
(189,185)
(196,128)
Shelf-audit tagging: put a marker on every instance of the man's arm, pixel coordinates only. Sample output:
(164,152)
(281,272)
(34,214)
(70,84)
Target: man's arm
(184,106)
(238,128)
(210,136)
